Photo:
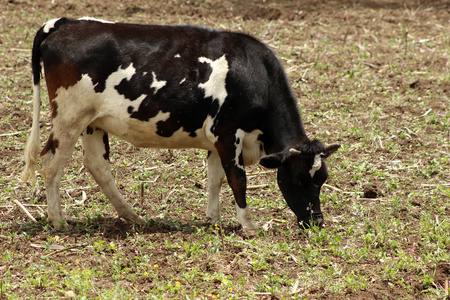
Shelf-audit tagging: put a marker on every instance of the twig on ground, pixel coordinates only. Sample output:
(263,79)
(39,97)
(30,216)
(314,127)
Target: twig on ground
(339,190)
(435,185)
(373,199)
(260,173)
(25,210)
(254,187)
(332,187)
(62,250)
(11,133)
(262,293)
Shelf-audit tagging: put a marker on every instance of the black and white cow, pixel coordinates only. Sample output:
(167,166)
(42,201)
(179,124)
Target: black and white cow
(171,87)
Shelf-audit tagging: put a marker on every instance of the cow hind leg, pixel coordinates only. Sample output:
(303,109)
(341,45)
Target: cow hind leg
(55,155)
(96,160)
(215,178)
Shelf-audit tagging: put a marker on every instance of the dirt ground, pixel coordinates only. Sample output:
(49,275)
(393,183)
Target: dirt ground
(350,21)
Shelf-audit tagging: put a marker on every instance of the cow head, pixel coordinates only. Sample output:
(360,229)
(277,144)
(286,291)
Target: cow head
(301,173)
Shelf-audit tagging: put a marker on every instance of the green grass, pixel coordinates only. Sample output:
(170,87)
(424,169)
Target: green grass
(354,83)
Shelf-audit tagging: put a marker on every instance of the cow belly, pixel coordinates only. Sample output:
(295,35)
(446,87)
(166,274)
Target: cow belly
(144,134)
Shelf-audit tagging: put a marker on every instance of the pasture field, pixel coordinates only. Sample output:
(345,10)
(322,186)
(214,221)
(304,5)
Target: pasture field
(373,76)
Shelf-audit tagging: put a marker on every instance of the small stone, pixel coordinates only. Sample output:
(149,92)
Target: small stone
(69,294)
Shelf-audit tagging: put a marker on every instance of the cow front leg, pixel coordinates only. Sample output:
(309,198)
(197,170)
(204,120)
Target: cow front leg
(215,178)
(96,160)
(238,183)
(232,163)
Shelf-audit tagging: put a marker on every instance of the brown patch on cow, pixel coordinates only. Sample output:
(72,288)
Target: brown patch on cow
(64,74)
(236,176)
(51,145)
(54,108)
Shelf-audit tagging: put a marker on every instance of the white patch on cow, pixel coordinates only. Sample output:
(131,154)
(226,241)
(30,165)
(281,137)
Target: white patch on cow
(50,24)
(144,73)
(177,55)
(76,100)
(248,144)
(317,164)
(250,147)
(215,86)
(157,84)
(238,148)
(95,20)
(207,127)
(115,78)
(182,80)
(215,178)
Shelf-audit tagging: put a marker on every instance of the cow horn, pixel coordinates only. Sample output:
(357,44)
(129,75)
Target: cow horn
(294,151)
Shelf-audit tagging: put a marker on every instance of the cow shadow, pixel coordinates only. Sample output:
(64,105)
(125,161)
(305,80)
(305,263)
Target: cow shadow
(116,228)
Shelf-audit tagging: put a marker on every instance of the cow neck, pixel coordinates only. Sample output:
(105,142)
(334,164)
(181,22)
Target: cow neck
(286,127)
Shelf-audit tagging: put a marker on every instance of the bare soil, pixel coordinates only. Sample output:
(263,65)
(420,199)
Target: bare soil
(181,218)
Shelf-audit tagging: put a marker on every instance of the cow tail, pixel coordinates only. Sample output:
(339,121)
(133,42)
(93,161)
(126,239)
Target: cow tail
(33,144)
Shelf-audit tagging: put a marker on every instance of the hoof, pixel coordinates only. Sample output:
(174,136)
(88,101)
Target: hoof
(250,232)
(212,218)
(59,225)
(133,219)
(250,229)
(212,221)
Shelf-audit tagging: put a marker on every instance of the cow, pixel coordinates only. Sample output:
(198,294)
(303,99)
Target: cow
(171,87)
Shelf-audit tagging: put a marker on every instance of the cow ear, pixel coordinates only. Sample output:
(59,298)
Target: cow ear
(330,149)
(272,161)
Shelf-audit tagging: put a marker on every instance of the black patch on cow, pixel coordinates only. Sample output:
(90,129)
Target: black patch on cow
(238,140)
(214,108)
(130,109)
(187,104)
(241,159)
(100,67)
(89,130)
(106,143)
(146,111)
(135,87)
